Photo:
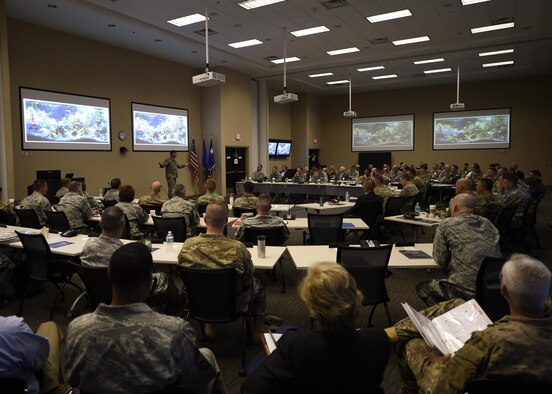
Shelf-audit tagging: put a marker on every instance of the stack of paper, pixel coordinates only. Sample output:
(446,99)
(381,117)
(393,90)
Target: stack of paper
(270,340)
(8,237)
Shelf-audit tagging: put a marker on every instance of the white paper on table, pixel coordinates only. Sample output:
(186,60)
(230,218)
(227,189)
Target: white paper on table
(270,344)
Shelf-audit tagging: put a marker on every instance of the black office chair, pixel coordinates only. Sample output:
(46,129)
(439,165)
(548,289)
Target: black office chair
(96,284)
(530,222)
(503,223)
(126,230)
(109,203)
(176,225)
(28,218)
(58,221)
(408,204)
(171,389)
(212,299)
(150,207)
(42,266)
(393,206)
(488,385)
(6,218)
(201,209)
(324,229)
(237,211)
(13,385)
(369,268)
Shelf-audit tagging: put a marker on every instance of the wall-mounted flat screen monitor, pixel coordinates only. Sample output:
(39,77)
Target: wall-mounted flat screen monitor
(157,128)
(283,149)
(383,133)
(481,129)
(272,147)
(62,121)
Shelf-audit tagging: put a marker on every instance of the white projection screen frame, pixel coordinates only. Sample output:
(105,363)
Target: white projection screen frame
(382,133)
(63,121)
(176,128)
(477,129)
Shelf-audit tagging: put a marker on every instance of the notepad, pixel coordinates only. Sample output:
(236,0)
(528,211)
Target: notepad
(348,224)
(270,340)
(59,244)
(415,254)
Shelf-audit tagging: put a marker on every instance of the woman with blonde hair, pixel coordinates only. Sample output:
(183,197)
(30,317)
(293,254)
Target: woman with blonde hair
(335,357)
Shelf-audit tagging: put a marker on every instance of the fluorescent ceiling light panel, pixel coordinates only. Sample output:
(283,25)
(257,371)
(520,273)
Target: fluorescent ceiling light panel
(470,2)
(498,63)
(370,68)
(311,30)
(247,43)
(439,70)
(342,51)
(411,40)
(385,76)
(484,29)
(496,52)
(250,4)
(430,61)
(187,20)
(320,75)
(389,16)
(338,82)
(288,60)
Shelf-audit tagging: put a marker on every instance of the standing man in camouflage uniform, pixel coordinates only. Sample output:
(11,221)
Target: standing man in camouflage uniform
(155,197)
(248,200)
(263,220)
(510,194)
(210,195)
(37,201)
(136,215)
(258,176)
(461,243)
(113,193)
(514,348)
(64,189)
(171,167)
(76,207)
(214,250)
(178,207)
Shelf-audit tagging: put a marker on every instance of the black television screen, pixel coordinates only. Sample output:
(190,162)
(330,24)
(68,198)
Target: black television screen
(283,148)
(272,148)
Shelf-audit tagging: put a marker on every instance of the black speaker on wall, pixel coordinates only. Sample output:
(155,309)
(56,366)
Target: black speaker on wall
(378,159)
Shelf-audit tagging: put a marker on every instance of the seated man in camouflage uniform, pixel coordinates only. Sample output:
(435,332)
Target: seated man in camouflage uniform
(461,243)
(263,220)
(7,212)
(210,195)
(408,188)
(76,208)
(492,203)
(126,347)
(275,176)
(113,193)
(514,348)
(180,207)
(214,250)
(464,186)
(64,189)
(94,204)
(258,176)
(135,214)
(37,201)
(511,195)
(155,197)
(248,200)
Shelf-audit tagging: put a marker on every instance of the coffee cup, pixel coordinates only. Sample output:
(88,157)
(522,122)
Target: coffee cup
(152,212)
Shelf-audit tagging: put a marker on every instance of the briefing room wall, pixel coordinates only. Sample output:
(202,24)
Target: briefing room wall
(47,59)
(279,127)
(299,150)
(528,98)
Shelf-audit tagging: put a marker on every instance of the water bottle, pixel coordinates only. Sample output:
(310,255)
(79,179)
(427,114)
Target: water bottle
(347,196)
(321,201)
(169,240)
(417,208)
(101,192)
(231,199)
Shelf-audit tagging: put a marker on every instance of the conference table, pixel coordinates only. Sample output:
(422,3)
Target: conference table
(416,222)
(96,218)
(353,224)
(325,188)
(327,207)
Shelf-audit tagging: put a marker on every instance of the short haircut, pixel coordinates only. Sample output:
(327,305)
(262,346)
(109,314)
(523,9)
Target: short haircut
(65,181)
(75,186)
(406,177)
(378,177)
(248,187)
(264,202)
(537,173)
(527,281)
(512,178)
(179,190)
(210,185)
(126,193)
(412,170)
(492,169)
(487,184)
(465,183)
(112,217)
(130,265)
(332,297)
(37,185)
(115,183)
(465,200)
(216,214)
(476,166)
(369,185)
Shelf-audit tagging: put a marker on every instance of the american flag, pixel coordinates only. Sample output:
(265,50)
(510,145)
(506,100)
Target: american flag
(194,162)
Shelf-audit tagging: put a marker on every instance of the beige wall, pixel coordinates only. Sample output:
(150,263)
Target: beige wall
(279,126)
(299,150)
(529,99)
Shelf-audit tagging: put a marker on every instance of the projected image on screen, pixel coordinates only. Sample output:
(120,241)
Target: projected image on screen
(159,128)
(58,121)
(486,129)
(388,133)
(272,148)
(283,148)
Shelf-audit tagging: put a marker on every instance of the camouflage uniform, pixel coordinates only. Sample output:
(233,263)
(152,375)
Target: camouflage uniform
(258,176)
(451,178)
(361,179)
(248,201)
(98,251)
(417,181)
(177,207)
(218,251)
(276,177)
(475,176)
(152,199)
(409,190)
(492,204)
(518,197)
(76,209)
(384,192)
(62,192)
(461,243)
(395,177)
(479,205)
(299,178)
(136,218)
(112,194)
(425,176)
(263,222)
(39,204)
(171,172)
(443,176)
(353,174)
(206,198)
(132,349)
(94,204)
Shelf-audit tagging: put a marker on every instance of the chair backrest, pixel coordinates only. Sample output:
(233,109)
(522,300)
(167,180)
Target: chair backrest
(38,254)
(149,207)
(274,235)
(237,211)
(487,288)
(6,218)
(408,204)
(98,287)
(504,220)
(201,208)
(28,218)
(126,230)
(211,293)
(393,206)
(109,203)
(12,385)
(58,220)
(325,229)
(488,385)
(530,215)
(368,266)
(371,212)
(176,225)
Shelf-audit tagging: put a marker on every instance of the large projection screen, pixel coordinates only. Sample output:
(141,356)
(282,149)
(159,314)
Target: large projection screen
(159,129)
(482,129)
(383,133)
(62,121)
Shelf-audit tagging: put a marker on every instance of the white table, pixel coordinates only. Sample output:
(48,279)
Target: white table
(416,222)
(306,255)
(231,220)
(327,207)
(302,224)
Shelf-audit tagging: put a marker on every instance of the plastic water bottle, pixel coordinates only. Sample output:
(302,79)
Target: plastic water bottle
(101,192)
(169,240)
(231,199)
(347,196)
(417,208)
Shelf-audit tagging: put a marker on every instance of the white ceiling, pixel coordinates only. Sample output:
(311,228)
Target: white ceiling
(140,24)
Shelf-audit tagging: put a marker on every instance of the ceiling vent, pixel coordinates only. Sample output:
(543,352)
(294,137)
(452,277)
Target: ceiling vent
(201,32)
(381,40)
(331,4)
(271,58)
(502,20)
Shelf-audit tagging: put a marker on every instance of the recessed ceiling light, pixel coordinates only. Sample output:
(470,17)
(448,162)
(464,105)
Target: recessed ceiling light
(470,2)
(187,20)
(311,30)
(389,15)
(496,52)
(506,63)
(338,82)
(439,70)
(484,29)
(385,76)
(430,61)
(288,60)
(342,51)
(250,4)
(320,75)
(370,68)
(246,43)
(411,40)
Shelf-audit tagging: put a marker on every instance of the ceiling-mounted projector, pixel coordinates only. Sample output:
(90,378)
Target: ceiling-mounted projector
(349,114)
(285,98)
(209,78)
(457,106)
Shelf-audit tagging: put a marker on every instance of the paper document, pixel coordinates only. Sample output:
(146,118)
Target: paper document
(270,340)
(412,253)
(449,331)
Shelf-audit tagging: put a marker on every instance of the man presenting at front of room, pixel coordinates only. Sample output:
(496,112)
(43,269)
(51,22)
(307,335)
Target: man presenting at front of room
(171,170)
